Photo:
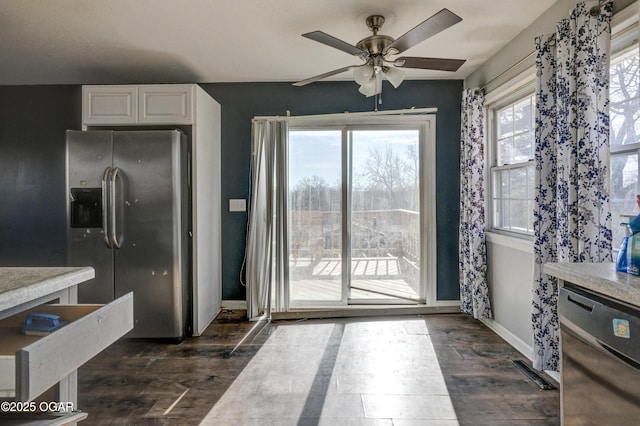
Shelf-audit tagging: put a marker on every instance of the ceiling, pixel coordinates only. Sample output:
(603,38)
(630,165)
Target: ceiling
(180,41)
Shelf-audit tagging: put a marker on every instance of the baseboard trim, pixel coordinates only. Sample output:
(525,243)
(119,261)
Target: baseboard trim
(519,344)
(234,304)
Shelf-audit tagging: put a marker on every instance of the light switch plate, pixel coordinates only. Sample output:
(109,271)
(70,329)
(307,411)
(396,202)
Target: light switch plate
(237,205)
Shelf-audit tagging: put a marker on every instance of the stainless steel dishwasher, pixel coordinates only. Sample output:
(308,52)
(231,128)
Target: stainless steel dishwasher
(600,367)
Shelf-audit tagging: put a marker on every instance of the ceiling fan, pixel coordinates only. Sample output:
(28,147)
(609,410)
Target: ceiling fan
(377,49)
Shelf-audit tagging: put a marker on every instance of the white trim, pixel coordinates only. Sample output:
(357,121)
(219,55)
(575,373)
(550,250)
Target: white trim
(520,345)
(521,244)
(349,115)
(447,303)
(364,311)
(625,18)
(554,375)
(428,216)
(234,304)
(525,82)
(515,91)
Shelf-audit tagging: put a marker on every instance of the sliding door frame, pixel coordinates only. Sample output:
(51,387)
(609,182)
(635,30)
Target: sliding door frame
(426,126)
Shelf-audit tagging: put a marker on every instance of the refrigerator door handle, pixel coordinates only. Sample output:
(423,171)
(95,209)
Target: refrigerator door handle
(105,210)
(112,205)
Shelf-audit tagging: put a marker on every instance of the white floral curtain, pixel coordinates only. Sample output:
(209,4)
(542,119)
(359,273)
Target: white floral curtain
(266,235)
(474,291)
(572,221)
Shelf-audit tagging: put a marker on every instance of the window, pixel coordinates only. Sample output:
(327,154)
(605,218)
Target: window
(512,172)
(511,136)
(625,132)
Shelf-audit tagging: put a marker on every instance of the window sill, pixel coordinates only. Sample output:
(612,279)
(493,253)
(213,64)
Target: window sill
(517,243)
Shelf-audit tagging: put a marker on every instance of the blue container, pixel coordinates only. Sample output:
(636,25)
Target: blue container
(634,225)
(621,264)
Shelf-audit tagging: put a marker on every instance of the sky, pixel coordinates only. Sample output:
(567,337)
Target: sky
(318,152)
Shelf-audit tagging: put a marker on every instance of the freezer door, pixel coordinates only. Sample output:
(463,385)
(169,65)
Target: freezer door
(88,160)
(149,230)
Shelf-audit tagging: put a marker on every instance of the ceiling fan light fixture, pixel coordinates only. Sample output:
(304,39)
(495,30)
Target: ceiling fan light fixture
(395,76)
(369,88)
(363,74)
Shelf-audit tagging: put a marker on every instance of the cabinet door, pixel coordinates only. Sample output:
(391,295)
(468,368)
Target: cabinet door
(165,104)
(109,105)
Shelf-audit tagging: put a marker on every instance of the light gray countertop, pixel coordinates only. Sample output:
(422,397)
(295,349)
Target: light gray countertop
(600,278)
(22,285)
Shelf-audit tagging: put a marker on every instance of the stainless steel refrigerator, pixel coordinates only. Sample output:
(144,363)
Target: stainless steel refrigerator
(129,217)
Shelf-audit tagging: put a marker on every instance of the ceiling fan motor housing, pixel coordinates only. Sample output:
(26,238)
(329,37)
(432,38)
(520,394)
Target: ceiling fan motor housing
(375,44)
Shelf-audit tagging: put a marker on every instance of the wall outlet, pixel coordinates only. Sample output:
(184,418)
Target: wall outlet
(237,205)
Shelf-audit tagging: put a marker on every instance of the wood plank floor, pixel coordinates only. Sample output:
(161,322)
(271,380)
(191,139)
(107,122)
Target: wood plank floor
(402,371)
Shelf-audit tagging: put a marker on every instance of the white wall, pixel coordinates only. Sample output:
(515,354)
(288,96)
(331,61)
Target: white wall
(510,275)
(510,260)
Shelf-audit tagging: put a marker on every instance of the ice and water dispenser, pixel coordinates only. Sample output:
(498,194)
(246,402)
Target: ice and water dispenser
(86,208)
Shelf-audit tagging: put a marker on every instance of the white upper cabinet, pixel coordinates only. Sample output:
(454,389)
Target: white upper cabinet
(137,104)
(109,104)
(159,104)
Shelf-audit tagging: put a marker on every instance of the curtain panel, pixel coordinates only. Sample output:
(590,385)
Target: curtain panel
(266,232)
(572,220)
(474,290)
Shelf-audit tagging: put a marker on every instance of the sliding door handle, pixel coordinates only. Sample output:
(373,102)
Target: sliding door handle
(114,221)
(105,206)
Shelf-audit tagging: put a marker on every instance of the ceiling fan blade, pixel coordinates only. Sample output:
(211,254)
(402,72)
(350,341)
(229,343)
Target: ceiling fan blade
(439,64)
(432,26)
(325,75)
(336,43)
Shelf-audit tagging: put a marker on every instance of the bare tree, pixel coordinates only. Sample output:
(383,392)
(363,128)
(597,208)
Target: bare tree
(310,193)
(390,178)
(624,113)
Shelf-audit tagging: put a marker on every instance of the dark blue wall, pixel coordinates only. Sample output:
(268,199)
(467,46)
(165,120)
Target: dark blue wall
(33,120)
(241,102)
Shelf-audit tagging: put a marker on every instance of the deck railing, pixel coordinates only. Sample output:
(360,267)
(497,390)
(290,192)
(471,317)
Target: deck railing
(374,233)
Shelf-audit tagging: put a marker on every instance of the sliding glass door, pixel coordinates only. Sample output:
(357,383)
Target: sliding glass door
(315,217)
(356,225)
(384,216)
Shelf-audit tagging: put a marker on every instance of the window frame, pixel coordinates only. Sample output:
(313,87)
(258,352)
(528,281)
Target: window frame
(511,93)
(624,39)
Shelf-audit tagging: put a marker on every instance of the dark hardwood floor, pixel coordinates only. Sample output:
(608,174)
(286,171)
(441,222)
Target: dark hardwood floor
(401,371)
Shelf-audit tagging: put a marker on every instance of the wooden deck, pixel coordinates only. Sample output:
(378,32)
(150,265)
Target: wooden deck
(371,278)
(384,266)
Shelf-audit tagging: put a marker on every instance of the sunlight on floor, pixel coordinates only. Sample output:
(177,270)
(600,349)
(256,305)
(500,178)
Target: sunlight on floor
(367,372)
